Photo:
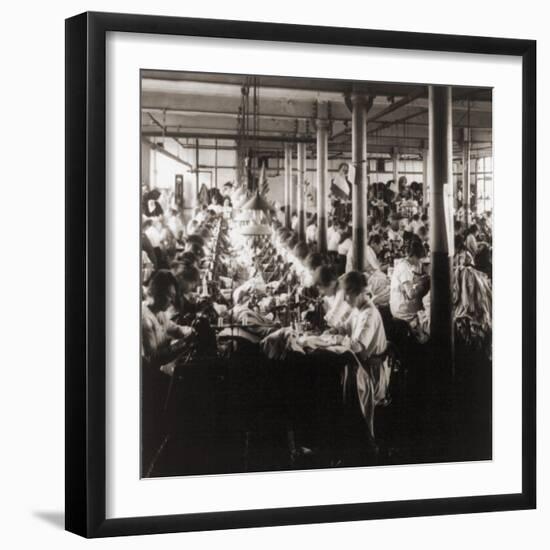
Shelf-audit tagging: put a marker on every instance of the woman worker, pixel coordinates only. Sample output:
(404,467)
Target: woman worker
(409,283)
(369,375)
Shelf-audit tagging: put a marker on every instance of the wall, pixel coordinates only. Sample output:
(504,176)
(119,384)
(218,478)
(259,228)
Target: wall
(31,393)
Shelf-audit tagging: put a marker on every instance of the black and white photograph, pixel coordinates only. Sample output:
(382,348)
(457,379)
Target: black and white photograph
(316,273)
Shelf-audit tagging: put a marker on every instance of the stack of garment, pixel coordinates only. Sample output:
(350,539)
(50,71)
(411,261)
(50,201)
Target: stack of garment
(473,303)
(286,340)
(253,325)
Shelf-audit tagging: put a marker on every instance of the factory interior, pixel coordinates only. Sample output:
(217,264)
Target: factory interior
(316,273)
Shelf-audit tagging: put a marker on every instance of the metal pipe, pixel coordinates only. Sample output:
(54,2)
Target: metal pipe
(166,153)
(466,155)
(441,157)
(359,191)
(300,201)
(197,167)
(322,154)
(220,135)
(288,185)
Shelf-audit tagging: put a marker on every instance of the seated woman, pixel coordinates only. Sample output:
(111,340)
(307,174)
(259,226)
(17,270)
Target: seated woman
(483,260)
(371,255)
(312,261)
(471,239)
(336,309)
(462,256)
(366,338)
(162,339)
(188,279)
(409,283)
(216,204)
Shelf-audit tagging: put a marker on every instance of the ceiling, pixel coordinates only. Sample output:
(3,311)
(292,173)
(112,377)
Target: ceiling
(187,106)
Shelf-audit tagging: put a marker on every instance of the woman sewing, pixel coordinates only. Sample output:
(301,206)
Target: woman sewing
(369,374)
(409,283)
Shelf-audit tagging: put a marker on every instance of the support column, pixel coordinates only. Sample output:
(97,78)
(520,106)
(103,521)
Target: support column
(395,162)
(216,163)
(146,164)
(300,195)
(426,178)
(197,176)
(322,154)
(441,158)
(288,185)
(359,193)
(466,154)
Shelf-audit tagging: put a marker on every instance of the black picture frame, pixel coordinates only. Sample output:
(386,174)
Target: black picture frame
(86,268)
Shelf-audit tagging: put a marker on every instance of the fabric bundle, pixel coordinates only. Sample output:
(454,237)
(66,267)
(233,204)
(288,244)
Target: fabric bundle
(280,343)
(473,303)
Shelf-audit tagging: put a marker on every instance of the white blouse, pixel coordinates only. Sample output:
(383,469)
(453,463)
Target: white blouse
(366,331)
(403,307)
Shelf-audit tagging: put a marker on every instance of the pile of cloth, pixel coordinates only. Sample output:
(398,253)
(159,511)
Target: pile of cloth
(280,343)
(473,303)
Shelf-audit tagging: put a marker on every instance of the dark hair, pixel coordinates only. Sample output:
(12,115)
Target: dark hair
(324,275)
(353,282)
(416,248)
(482,260)
(375,239)
(301,250)
(190,274)
(195,249)
(424,217)
(342,164)
(346,234)
(153,195)
(416,217)
(314,260)
(292,240)
(472,229)
(161,281)
(188,258)
(195,239)
(204,232)
(459,243)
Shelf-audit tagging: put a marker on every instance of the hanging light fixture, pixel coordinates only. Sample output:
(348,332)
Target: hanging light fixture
(258,211)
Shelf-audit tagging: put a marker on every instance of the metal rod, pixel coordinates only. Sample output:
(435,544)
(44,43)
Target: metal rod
(441,157)
(359,191)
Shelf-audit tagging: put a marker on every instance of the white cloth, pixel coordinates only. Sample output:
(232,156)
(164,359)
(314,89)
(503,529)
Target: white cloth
(157,332)
(395,236)
(218,208)
(403,307)
(337,310)
(344,247)
(366,333)
(311,233)
(371,261)
(367,339)
(471,245)
(153,234)
(191,226)
(333,239)
(340,186)
(378,287)
(415,226)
